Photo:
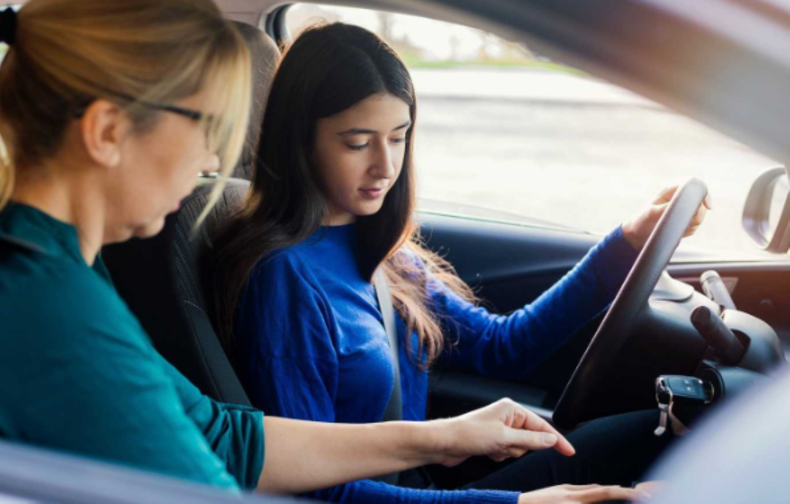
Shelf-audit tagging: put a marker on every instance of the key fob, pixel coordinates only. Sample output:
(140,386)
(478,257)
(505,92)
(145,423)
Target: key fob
(680,398)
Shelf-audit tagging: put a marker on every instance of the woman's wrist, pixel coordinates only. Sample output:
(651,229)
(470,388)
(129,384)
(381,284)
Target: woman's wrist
(632,235)
(424,442)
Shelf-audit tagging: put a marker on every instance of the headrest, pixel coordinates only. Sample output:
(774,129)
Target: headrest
(265,56)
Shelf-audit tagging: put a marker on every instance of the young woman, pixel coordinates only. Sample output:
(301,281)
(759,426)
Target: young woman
(332,202)
(108,110)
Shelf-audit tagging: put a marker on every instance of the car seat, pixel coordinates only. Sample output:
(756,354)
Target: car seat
(164,279)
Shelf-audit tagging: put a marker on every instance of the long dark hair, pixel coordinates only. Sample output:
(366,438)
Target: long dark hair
(327,70)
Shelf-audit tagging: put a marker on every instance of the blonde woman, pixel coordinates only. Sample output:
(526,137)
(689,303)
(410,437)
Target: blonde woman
(108,110)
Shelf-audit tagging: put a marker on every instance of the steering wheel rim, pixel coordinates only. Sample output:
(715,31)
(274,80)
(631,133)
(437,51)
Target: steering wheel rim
(628,305)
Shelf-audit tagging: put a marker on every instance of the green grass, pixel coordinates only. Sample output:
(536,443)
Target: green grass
(448,65)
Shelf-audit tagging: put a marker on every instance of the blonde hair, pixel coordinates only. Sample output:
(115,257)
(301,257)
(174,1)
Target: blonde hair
(67,53)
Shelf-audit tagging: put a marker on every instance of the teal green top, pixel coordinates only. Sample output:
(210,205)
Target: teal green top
(78,373)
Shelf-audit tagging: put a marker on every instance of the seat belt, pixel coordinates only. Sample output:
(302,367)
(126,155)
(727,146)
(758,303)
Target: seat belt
(413,478)
(394,409)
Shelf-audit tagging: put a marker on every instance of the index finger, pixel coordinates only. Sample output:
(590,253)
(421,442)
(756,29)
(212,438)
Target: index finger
(613,493)
(533,422)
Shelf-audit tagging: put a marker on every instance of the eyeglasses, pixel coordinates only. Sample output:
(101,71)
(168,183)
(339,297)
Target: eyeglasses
(194,115)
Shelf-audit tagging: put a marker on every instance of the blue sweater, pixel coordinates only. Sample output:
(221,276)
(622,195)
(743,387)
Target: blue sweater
(313,346)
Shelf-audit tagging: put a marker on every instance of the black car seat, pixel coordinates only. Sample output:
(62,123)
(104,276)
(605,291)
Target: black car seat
(164,279)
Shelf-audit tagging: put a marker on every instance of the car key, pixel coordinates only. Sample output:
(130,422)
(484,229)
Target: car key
(679,390)
(662,421)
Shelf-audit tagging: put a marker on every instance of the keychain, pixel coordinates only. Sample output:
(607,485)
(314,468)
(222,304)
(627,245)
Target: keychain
(683,391)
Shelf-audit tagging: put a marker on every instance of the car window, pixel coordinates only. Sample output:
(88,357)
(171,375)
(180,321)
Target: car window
(4,47)
(505,134)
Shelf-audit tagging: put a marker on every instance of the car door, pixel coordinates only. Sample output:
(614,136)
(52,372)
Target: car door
(510,265)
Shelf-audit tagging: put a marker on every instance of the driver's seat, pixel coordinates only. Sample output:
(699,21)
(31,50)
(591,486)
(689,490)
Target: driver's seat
(164,279)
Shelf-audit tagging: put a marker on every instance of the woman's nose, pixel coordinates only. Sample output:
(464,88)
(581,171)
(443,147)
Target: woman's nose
(382,164)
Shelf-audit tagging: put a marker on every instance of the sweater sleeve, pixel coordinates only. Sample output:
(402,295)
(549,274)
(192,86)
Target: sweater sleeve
(290,367)
(512,346)
(98,388)
(376,492)
(234,432)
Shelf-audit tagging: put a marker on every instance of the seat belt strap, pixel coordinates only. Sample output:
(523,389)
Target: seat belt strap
(394,409)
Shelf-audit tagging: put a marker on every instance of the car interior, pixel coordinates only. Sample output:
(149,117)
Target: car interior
(655,328)
(31,474)
(166,281)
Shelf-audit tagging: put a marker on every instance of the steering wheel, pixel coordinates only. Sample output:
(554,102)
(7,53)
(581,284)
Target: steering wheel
(628,305)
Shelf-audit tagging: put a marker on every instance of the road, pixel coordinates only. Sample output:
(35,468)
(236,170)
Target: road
(571,150)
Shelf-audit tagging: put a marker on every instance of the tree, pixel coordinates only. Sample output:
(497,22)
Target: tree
(385,26)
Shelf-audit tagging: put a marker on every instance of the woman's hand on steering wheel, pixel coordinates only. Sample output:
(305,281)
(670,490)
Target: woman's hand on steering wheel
(578,494)
(638,230)
(500,430)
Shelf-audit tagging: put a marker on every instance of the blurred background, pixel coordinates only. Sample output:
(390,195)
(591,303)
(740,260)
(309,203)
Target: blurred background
(505,134)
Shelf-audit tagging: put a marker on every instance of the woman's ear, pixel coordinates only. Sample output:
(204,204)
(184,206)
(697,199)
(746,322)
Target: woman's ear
(103,128)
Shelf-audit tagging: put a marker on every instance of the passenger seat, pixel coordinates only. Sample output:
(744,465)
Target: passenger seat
(164,280)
